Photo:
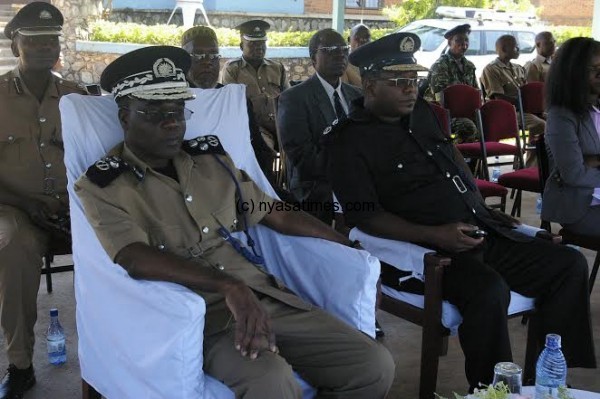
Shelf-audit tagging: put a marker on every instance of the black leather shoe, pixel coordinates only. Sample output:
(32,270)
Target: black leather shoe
(16,382)
(378,330)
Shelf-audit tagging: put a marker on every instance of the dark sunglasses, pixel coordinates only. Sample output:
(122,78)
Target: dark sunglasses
(157,117)
(330,50)
(209,57)
(403,82)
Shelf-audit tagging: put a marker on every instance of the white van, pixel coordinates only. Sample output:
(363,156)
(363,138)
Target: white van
(482,40)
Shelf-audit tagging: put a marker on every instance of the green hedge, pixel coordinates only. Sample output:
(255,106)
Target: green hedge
(563,33)
(103,31)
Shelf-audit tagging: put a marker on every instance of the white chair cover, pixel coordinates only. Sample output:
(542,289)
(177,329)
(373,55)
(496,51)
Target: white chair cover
(410,257)
(143,339)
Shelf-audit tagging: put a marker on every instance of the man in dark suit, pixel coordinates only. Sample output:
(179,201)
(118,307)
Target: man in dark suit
(305,111)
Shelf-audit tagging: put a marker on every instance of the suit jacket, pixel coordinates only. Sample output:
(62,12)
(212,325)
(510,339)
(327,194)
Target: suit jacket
(568,191)
(304,112)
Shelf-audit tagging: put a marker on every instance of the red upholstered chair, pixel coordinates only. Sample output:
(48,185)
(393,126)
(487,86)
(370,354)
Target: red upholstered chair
(462,101)
(531,101)
(530,179)
(486,188)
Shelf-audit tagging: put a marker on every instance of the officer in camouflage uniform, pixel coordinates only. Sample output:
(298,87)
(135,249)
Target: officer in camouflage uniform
(450,69)
(33,181)
(265,79)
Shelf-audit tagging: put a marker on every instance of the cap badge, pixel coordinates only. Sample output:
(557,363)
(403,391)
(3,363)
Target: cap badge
(163,68)
(407,45)
(45,14)
(257,29)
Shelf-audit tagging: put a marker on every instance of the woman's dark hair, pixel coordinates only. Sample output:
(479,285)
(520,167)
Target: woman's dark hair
(568,83)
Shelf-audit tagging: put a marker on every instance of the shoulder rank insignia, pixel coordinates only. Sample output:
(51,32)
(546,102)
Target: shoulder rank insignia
(107,169)
(203,145)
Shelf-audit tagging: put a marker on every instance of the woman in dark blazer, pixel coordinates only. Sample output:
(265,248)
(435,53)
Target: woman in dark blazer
(573,137)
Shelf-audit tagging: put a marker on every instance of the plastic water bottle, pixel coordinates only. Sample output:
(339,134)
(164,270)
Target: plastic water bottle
(55,339)
(550,370)
(538,205)
(496,171)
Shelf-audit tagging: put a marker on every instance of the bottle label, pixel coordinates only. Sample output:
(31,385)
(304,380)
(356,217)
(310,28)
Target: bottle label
(56,346)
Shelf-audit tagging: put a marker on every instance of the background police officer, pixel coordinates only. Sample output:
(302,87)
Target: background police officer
(265,79)
(33,195)
(454,68)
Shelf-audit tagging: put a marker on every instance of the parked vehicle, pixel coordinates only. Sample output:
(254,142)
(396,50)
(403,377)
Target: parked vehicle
(482,40)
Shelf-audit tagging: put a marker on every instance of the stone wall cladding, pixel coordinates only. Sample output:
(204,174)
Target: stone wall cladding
(77,13)
(227,20)
(89,66)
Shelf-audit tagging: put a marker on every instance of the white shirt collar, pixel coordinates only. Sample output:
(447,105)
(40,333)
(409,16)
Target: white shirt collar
(329,89)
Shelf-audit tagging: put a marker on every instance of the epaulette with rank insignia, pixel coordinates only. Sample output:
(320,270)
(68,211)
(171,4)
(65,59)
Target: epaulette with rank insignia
(203,145)
(107,169)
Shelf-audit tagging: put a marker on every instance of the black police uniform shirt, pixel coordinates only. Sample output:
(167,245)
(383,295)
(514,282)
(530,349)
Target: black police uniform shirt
(407,169)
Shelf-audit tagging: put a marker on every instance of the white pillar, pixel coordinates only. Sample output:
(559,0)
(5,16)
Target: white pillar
(596,20)
(339,6)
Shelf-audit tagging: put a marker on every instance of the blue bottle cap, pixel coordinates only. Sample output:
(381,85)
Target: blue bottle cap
(553,341)
(53,312)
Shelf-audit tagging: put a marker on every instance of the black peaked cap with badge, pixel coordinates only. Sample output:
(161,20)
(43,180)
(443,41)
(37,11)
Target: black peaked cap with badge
(460,29)
(254,30)
(393,52)
(35,19)
(155,73)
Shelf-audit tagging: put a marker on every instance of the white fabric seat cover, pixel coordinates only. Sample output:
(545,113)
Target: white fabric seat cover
(143,339)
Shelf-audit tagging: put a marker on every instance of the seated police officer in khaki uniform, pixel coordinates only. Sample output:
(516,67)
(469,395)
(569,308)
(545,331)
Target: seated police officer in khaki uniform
(163,209)
(265,79)
(501,80)
(538,68)
(33,195)
(391,153)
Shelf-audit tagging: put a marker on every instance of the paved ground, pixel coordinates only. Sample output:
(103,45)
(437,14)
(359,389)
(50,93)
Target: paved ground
(403,340)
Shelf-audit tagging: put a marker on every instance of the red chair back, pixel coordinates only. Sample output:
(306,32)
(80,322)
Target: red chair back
(443,118)
(532,98)
(461,100)
(499,121)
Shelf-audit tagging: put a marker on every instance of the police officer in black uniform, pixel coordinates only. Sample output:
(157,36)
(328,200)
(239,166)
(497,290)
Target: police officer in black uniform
(391,154)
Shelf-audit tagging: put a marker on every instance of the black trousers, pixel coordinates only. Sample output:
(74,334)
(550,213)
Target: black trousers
(479,282)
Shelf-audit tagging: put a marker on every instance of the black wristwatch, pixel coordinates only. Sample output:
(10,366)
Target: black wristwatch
(355,244)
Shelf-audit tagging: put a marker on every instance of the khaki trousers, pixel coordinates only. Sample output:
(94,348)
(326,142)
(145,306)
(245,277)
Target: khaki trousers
(338,360)
(22,246)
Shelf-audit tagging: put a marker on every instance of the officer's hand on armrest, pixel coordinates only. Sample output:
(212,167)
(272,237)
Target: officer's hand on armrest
(253,333)
(453,237)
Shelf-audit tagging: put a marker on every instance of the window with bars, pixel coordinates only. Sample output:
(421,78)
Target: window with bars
(367,4)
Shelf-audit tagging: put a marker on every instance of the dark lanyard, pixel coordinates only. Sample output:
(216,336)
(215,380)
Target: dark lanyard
(253,256)
(460,179)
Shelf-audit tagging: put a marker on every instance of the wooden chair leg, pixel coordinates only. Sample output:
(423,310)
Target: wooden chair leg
(47,265)
(594,271)
(88,391)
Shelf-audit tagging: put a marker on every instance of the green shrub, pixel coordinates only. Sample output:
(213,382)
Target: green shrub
(103,31)
(563,33)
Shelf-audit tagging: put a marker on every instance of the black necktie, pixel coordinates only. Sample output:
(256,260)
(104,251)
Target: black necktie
(337,103)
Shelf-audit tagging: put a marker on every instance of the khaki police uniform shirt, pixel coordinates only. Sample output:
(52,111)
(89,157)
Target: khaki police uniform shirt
(31,145)
(263,86)
(182,217)
(501,78)
(537,69)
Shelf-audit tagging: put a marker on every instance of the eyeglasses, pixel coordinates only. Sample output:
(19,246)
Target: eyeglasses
(157,117)
(209,57)
(330,50)
(404,83)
